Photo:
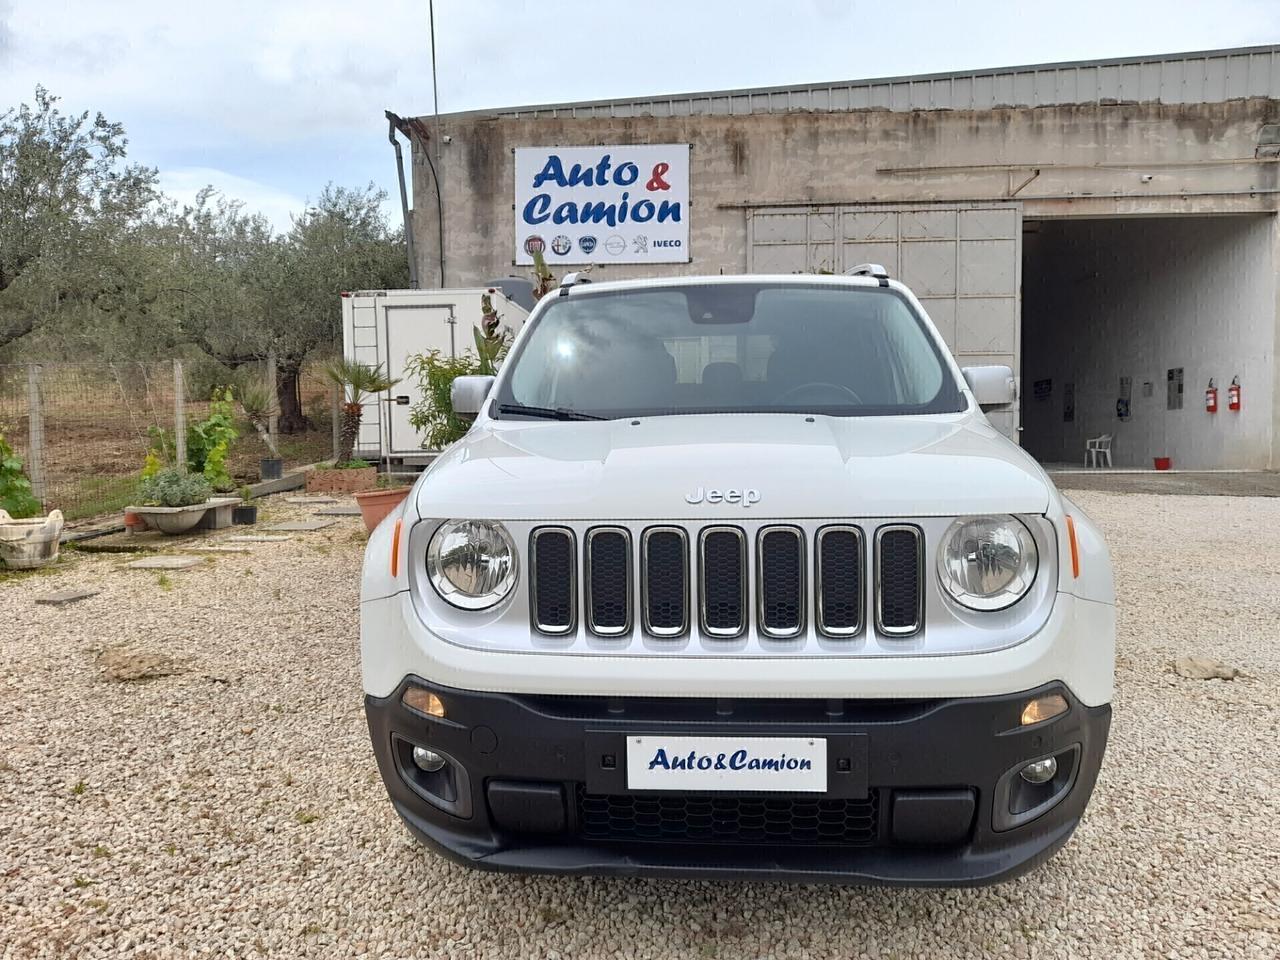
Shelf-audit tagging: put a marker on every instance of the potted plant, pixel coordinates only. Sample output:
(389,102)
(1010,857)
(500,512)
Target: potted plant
(358,382)
(26,539)
(173,501)
(259,407)
(246,513)
(375,505)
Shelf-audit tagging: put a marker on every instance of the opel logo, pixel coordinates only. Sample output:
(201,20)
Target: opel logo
(745,497)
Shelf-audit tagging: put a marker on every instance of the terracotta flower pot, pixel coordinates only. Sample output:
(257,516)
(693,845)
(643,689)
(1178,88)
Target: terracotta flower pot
(331,480)
(376,504)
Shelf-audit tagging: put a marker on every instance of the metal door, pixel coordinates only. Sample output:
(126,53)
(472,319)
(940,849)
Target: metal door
(964,262)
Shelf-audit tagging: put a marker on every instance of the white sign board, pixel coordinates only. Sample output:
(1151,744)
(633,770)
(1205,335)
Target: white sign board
(607,204)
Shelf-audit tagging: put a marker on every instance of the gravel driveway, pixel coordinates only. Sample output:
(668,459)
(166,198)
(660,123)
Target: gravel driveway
(232,808)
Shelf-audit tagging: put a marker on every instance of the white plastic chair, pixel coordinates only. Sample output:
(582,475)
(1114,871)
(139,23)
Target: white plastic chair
(1096,450)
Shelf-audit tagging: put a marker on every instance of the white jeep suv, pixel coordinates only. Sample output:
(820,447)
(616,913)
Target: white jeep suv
(732,577)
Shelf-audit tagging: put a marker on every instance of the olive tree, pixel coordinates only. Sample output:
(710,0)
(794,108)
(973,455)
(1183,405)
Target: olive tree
(70,207)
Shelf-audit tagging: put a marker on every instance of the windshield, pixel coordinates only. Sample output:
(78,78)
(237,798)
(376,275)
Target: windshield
(728,348)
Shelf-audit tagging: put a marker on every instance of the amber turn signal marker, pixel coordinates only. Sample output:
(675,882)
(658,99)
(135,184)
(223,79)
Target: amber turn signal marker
(424,701)
(395,550)
(1075,550)
(1044,708)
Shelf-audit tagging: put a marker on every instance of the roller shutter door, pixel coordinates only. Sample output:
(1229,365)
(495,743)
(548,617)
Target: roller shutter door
(964,262)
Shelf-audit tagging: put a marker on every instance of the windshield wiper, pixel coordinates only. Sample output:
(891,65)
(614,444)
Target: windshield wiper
(545,413)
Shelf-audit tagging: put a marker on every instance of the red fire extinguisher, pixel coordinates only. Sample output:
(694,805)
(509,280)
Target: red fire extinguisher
(1211,398)
(1233,395)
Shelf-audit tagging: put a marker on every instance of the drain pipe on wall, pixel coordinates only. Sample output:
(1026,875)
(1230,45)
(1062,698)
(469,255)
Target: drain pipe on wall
(392,125)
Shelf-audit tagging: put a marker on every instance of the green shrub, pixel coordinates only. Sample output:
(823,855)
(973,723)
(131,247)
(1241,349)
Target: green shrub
(433,415)
(16,498)
(173,488)
(208,443)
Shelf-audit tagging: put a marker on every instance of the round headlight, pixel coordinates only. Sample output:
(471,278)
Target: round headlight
(987,563)
(472,563)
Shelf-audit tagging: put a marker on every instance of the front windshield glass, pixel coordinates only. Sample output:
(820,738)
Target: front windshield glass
(729,348)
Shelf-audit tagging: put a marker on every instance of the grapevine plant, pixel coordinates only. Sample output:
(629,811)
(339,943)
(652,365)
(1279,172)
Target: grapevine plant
(16,498)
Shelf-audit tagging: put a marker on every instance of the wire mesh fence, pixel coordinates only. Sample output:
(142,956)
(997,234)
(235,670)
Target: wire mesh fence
(83,430)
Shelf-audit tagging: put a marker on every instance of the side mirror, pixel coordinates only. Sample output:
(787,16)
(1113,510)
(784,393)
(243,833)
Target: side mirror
(992,386)
(467,395)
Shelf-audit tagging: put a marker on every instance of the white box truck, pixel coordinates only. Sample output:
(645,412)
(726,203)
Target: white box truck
(388,327)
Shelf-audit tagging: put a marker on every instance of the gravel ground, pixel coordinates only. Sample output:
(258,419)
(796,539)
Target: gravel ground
(233,808)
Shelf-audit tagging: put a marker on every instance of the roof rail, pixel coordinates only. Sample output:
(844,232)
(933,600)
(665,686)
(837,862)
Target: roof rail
(870,270)
(573,279)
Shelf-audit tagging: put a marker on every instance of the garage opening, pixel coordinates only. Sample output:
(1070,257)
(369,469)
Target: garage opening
(1124,324)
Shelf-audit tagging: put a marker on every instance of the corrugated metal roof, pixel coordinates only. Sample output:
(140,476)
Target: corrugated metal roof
(1209,76)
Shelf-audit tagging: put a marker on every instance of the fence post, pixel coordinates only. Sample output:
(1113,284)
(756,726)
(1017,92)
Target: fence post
(179,417)
(335,408)
(273,399)
(35,434)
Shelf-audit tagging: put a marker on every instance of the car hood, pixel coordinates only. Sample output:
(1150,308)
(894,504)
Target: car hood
(799,467)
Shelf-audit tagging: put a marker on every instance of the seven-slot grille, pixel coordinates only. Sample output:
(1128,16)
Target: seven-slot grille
(899,591)
(553,578)
(723,590)
(780,581)
(608,579)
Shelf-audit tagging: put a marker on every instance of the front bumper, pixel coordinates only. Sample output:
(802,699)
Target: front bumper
(921,792)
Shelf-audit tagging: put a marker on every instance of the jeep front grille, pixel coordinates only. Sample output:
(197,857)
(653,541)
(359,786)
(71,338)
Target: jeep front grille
(664,558)
(553,580)
(722,582)
(608,580)
(777,578)
(780,591)
(838,569)
(899,586)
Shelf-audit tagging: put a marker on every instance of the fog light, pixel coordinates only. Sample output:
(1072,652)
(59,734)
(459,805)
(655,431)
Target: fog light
(430,761)
(1044,708)
(424,701)
(1037,772)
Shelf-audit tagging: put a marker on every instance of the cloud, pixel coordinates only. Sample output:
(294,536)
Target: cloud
(183,183)
(291,92)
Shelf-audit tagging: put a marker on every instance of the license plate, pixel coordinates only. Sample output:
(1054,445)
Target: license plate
(784,764)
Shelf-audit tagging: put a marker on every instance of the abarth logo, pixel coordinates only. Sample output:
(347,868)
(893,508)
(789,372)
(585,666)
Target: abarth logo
(746,497)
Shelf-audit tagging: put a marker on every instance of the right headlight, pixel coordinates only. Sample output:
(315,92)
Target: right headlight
(987,563)
(472,563)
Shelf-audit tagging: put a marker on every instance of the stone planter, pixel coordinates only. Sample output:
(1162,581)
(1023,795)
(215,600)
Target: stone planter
(376,504)
(214,514)
(27,544)
(330,480)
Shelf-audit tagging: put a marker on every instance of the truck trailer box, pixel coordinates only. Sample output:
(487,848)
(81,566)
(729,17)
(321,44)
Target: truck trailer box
(388,327)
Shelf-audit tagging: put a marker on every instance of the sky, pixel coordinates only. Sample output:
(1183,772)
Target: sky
(270,100)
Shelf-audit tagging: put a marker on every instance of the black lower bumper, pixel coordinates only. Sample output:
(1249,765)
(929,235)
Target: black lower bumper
(921,792)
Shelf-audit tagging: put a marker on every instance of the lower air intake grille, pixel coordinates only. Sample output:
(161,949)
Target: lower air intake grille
(728,818)
(553,587)
(723,581)
(898,552)
(609,581)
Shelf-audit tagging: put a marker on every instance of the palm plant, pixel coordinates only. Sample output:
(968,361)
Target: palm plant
(359,382)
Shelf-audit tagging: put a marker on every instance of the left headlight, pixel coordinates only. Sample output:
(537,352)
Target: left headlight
(987,563)
(472,563)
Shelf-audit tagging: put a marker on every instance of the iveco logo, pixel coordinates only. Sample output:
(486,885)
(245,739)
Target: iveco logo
(745,497)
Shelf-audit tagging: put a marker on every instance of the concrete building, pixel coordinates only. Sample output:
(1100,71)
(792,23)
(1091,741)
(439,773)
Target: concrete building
(1107,228)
